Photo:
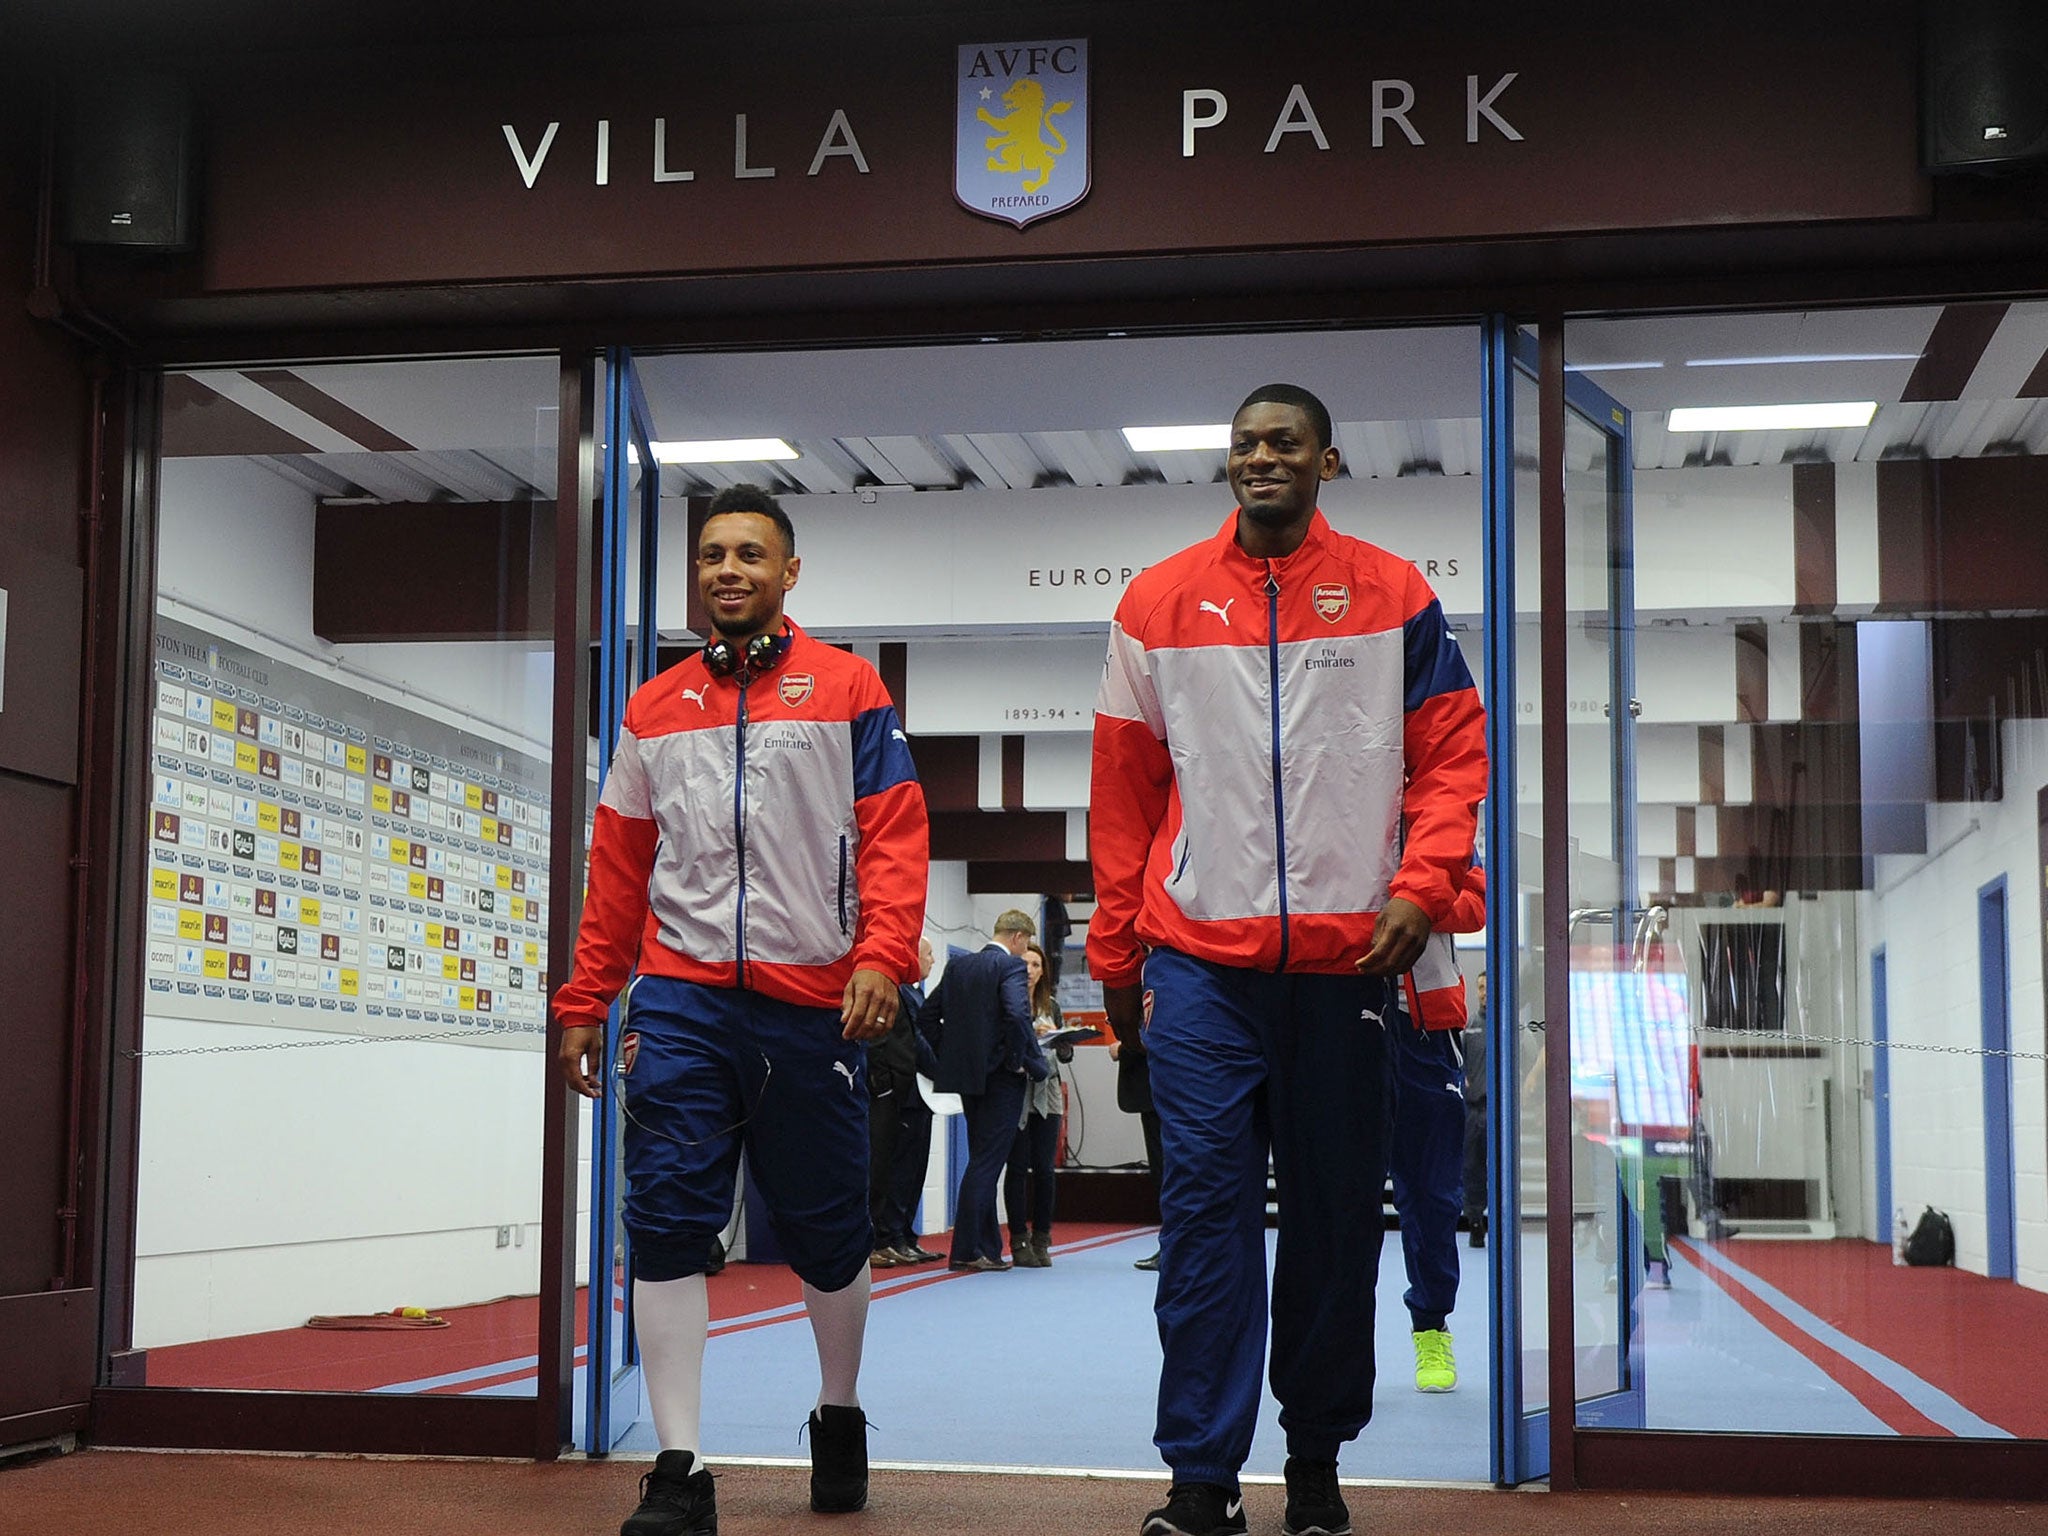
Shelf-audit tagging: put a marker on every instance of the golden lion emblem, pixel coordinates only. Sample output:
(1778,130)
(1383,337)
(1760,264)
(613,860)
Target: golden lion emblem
(1020,143)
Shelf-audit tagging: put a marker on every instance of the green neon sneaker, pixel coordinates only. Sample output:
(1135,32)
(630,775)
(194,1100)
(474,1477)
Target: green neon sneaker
(1436,1368)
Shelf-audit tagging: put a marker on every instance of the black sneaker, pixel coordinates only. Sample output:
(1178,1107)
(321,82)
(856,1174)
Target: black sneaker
(1197,1509)
(1314,1506)
(674,1500)
(839,1460)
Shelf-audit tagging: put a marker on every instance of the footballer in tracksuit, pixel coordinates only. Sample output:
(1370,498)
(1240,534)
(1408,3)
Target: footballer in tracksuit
(758,867)
(1289,753)
(1426,1146)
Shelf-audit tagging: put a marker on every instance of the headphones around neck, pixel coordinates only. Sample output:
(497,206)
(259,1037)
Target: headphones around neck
(763,653)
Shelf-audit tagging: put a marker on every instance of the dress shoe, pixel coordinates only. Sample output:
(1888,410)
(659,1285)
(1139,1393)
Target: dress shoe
(1151,1264)
(908,1255)
(920,1253)
(980,1266)
(884,1258)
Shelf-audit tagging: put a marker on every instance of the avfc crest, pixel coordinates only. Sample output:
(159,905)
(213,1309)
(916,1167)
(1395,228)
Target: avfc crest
(796,687)
(1020,132)
(1332,600)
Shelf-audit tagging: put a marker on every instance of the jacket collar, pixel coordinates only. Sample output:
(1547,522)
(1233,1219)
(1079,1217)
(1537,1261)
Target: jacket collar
(1312,544)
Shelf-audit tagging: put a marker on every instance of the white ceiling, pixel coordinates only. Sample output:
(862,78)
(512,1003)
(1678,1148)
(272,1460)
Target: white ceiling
(1015,415)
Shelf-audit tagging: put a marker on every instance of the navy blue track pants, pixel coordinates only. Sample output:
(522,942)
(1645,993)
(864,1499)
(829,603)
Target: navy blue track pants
(1426,1160)
(708,1070)
(1243,1063)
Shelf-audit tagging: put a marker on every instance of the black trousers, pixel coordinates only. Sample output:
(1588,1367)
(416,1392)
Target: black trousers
(991,1117)
(899,1150)
(1475,1162)
(1032,1152)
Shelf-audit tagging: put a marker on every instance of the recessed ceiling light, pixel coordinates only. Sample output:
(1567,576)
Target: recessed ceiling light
(1803,357)
(1772,418)
(1178,439)
(724,450)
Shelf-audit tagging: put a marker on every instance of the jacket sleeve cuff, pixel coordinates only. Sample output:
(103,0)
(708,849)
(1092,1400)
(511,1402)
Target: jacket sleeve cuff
(1121,973)
(1433,898)
(577,1019)
(872,961)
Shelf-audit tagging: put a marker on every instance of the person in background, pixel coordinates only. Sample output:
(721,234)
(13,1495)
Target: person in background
(900,1126)
(1425,1154)
(1035,1150)
(978,1023)
(1475,1114)
(1134,1097)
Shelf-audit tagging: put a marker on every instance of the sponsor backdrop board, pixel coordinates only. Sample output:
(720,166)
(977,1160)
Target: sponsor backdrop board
(323,859)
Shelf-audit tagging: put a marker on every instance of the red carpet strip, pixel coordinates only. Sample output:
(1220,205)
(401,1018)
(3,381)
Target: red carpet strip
(1984,1342)
(1897,1415)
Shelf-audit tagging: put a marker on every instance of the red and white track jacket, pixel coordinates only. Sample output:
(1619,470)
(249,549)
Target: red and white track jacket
(770,835)
(1264,731)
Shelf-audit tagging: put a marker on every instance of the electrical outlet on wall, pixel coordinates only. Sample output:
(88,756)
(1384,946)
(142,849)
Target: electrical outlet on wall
(504,1237)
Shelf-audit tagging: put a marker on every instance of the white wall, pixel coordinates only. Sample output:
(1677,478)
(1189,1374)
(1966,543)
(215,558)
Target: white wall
(353,1177)
(235,548)
(1791,1116)
(1924,912)
(280,1183)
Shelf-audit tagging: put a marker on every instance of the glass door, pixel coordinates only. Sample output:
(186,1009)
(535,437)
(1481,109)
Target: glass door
(1581,792)
(631,486)
(1617,1069)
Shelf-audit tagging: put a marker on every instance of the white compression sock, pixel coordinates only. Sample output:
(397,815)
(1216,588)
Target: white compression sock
(670,1318)
(839,1324)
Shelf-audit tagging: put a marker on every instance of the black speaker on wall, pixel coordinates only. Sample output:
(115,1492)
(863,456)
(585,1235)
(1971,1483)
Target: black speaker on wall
(1984,85)
(128,166)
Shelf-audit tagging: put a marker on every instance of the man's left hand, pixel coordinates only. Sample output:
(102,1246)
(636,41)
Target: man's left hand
(1397,939)
(869,1008)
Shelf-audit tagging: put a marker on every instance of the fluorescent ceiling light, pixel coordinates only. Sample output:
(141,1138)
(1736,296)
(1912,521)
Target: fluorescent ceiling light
(724,450)
(1771,418)
(1803,357)
(1609,367)
(1178,439)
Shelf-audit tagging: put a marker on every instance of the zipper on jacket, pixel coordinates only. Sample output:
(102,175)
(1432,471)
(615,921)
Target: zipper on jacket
(1279,798)
(842,882)
(739,834)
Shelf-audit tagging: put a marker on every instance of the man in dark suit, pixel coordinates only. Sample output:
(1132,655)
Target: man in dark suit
(978,1023)
(899,1126)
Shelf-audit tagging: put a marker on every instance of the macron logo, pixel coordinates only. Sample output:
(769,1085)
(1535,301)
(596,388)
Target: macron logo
(1222,613)
(695,693)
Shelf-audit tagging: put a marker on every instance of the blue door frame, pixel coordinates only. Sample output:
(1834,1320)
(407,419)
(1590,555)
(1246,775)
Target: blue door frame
(1519,1440)
(1881,1091)
(1994,991)
(611,1399)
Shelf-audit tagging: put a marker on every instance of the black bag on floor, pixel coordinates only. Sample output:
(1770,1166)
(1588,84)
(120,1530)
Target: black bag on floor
(1932,1240)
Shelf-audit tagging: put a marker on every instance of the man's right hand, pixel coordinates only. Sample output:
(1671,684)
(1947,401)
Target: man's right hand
(1125,1007)
(580,1055)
